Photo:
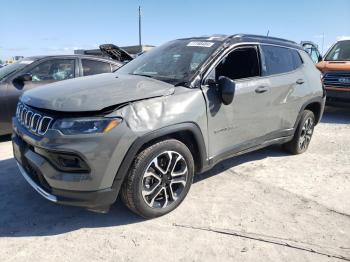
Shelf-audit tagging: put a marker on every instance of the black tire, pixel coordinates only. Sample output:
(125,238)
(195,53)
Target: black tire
(303,134)
(138,182)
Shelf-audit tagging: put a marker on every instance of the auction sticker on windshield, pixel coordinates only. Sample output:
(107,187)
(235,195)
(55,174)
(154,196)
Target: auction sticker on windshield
(200,44)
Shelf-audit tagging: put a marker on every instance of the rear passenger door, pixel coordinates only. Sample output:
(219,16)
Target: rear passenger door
(94,67)
(282,68)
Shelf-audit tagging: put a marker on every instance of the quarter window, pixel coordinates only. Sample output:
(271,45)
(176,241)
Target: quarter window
(115,67)
(297,61)
(277,60)
(94,67)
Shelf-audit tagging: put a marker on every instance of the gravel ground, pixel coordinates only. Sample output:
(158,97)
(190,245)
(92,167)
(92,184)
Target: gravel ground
(263,206)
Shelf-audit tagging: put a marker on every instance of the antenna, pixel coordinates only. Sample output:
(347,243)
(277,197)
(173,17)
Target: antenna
(140,28)
(268,32)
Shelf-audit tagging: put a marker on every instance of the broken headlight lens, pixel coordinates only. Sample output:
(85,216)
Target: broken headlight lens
(76,126)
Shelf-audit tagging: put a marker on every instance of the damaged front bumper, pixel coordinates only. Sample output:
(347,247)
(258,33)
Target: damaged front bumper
(91,187)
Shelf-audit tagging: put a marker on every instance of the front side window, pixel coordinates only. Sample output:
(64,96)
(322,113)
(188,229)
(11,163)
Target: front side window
(54,70)
(94,67)
(16,67)
(277,60)
(339,52)
(240,63)
(174,62)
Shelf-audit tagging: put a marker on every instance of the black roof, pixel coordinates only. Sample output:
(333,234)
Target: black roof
(238,38)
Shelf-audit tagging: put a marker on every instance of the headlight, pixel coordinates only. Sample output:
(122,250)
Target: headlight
(75,126)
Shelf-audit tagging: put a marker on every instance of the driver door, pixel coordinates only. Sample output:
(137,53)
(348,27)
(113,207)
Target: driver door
(239,125)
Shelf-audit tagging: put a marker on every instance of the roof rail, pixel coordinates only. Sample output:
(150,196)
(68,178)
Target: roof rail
(262,37)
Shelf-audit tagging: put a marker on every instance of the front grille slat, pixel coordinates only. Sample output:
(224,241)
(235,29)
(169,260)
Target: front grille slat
(337,79)
(35,122)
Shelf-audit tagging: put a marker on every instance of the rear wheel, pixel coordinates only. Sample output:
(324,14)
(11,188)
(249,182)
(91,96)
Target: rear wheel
(303,134)
(159,179)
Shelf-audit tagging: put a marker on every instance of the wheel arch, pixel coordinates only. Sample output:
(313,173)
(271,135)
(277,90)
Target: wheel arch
(188,133)
(316,105)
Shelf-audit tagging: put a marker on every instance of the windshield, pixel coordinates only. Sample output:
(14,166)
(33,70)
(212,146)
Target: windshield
(339,52)
(9,69)
(174,62)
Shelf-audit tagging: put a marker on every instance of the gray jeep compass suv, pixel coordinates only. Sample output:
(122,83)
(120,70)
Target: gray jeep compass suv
(175,111)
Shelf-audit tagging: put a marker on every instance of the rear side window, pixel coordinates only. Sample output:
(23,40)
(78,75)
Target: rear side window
(94,67)
(277,60)
(297,61)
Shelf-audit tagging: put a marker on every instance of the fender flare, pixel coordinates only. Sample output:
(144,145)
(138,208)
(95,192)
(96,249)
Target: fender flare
(319,100)
(142,140)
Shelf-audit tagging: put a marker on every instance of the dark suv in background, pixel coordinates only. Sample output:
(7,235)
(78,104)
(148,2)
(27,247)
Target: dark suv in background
(35,71)
(170,113)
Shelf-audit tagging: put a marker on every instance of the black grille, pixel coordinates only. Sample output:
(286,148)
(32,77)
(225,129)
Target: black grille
(35,122)
(337,79)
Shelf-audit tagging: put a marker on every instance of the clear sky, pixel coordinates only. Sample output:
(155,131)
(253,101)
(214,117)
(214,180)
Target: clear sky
(34,27)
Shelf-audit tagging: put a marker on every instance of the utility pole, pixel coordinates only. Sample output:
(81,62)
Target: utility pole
(322,43)
(140,44)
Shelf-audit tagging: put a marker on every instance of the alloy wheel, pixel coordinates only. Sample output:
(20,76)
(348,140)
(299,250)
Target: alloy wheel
(164,180)
(306,133)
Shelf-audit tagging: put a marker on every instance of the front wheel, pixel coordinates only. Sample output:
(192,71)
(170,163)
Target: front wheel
(159,179)
(303,134)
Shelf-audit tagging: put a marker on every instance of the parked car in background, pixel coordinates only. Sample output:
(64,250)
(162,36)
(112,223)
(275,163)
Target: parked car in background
(312,49)
(35,71)
(179,109)
(335,68)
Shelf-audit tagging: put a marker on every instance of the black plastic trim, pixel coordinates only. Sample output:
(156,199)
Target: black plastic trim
(277,137)
(320,100)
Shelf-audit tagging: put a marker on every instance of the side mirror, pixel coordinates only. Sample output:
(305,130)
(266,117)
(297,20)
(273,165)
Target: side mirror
(210,82)
(23,78)
(227,89)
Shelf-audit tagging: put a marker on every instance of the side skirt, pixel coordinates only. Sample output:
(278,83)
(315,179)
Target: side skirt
(236,152)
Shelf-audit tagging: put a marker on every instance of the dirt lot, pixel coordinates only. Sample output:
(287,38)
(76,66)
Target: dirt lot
(263,206)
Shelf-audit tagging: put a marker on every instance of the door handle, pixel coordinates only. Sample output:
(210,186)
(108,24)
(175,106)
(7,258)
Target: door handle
(300,81)
(261,89)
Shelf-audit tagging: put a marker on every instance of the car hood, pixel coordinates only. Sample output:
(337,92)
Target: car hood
(94,93)
(325,66)
(115,52)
